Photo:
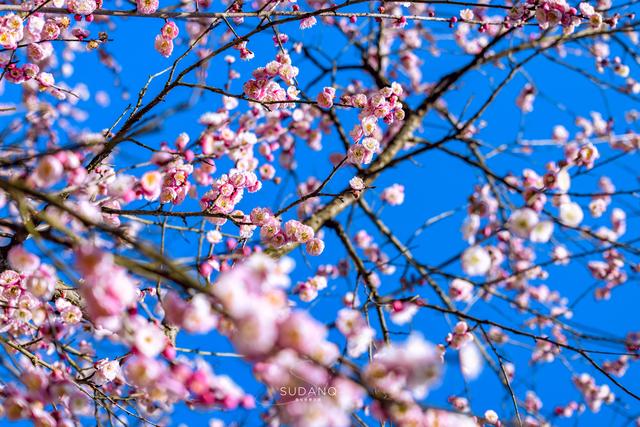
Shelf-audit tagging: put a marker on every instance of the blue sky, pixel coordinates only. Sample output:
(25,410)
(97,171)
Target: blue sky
(437,183)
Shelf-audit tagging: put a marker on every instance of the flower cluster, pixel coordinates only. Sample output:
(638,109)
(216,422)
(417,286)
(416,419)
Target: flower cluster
(183,380)
(611,271)
(308,290)
(263,88)
(325,98)
(194,316)
(11,30)
(289,348)
(384,104)
(460,290)
(24,291)
(556,12)
(362,152)
(164,40)
(40,388)
(460,336)
(353,326)
(307,393)
(35,34)
(106,288)
(83,8)
(403,372)
(227,191)
(273,233)
(525,223)
(372,251)
(593,394)
(175,183)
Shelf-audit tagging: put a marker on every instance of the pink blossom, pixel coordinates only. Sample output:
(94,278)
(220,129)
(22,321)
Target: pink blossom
(526,98)
(325,98)
(393,195)
(22,260)
(460,290)
(476,261)
(151,185)
(403,313)
(170,30)
(466,14)
(301,333)
(163,45)
(48,172)
(308,22)
(593,394)
(471,361)
(315,247)
(460,336)
(359,334)
(106,371)
(50,30)
(82,7)
(491,417)
(257,332)
(411,367)
(522,221)
(147,7)
(107,288)
(356,183)
(149,340)
(571,214)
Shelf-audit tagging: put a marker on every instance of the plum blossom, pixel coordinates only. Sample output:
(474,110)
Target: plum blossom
(107,288)
(325,98)
(163,45)
(82,7)
(195,316)
(48,172)
(106,371)
(308,22)
(402,313)
(571,214)
(362,153)
(541,232)
(264,88)
(466,14)
(176,185)
(593,394)
(476,261)
(21,259)
(170,30)
(491,417)
(308,290)
(471,361)
(393,195)
(460,290)
(526,98)
(356,183)
(151,185)
(359,334)
(460,335)
(408,368)
(315,247)
(147,7)
(522,221)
